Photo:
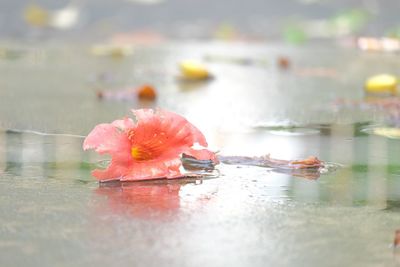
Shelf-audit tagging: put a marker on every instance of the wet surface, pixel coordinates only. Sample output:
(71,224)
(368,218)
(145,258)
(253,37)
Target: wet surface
(53,213)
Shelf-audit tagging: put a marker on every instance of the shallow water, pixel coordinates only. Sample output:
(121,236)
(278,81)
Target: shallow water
(53,213)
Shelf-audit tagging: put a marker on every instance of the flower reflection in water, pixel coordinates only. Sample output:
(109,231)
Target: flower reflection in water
(141,199)
(134,218)
(157,199)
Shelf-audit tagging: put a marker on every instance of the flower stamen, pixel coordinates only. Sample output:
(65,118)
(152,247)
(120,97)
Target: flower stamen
(139,153)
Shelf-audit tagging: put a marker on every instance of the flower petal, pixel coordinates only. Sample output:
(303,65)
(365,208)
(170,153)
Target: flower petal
(154,170)
(124,124)
(202,154)
(114,171)
(105,138)
(182,126)
(164,133)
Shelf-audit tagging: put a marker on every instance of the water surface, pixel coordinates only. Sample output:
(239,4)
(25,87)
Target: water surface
(53,213)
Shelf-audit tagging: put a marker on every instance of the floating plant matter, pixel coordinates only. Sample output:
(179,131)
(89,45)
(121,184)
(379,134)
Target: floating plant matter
(267,161)
(383,83)
(396,241)
(194,71)
(392,133)
(309,168)
(160,143)
(144,93)
(148,149)
(283,62)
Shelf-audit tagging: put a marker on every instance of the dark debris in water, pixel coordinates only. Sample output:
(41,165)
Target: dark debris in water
(192,164)
(309,168)
(267,161)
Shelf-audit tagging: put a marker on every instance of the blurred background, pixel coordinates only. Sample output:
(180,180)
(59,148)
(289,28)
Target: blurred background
(191,19)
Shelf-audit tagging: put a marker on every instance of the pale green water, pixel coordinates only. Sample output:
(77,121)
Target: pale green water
(53,213)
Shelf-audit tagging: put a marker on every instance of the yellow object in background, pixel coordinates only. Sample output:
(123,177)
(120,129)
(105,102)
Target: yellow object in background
(382,83)
(36,16)
(62,19)
(393,133)
(194,70)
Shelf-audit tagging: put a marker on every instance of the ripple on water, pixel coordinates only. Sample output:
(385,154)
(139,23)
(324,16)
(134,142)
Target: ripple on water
(291,130)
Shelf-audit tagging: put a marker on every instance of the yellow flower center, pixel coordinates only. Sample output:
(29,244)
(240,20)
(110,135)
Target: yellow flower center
(140,153)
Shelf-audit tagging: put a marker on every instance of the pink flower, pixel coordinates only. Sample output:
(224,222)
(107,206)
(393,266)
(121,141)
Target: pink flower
(148,149)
